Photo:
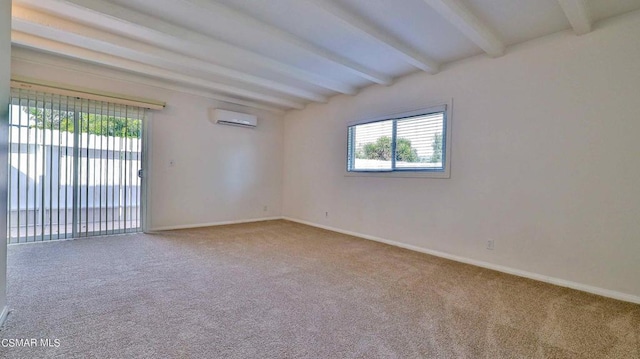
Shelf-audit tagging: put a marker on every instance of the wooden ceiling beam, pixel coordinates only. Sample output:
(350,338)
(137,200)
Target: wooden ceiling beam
(470,25)
(577,13)
(362,27)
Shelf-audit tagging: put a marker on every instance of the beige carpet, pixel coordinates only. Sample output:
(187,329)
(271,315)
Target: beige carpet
(284,290)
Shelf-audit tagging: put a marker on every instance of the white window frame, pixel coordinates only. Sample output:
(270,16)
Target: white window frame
(445,172)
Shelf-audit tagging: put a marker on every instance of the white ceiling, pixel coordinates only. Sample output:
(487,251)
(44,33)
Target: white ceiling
(283,54)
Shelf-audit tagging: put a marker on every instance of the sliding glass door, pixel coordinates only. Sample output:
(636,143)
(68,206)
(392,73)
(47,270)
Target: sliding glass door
(74,167)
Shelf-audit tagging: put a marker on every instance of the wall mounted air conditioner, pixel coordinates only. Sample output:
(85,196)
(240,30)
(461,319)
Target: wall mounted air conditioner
(224,117)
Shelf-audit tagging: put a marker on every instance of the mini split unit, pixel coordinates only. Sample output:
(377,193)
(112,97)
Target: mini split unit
(224,117)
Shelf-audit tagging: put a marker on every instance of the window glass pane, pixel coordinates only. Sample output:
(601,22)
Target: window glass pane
(371,146)
(419,142)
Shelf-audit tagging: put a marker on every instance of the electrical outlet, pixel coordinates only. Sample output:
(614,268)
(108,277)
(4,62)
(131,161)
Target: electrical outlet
(265,208)
(326,214)
(490,244)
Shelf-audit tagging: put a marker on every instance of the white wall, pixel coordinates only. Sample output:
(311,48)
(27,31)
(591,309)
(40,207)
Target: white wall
(5,74)
(220,173)
(545,161)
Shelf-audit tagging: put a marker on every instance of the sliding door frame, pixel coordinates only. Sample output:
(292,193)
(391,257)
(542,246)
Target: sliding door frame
(138,154)
(145,140)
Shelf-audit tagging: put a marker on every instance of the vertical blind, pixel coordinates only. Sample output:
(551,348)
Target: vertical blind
(74,166)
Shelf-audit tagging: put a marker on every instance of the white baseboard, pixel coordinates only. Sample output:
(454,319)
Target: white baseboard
(211,224)
(3,315)
(500,268)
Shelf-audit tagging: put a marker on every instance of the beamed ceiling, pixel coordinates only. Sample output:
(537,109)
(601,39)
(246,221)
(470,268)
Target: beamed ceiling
(283,54)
